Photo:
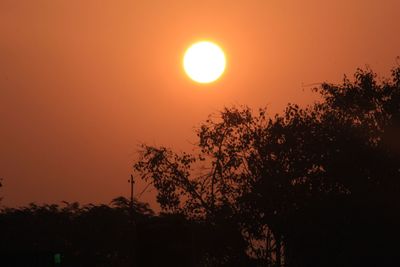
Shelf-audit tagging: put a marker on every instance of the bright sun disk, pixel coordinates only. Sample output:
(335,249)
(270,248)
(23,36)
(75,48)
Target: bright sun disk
(204,62)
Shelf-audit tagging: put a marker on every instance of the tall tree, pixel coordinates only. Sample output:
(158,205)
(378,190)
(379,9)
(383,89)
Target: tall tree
(314,180)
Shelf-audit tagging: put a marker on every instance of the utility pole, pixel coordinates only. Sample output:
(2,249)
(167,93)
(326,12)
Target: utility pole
(133,225)
(131,181)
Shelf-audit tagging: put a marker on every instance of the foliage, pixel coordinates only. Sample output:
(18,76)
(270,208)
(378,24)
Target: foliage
(322,180)
(313,186)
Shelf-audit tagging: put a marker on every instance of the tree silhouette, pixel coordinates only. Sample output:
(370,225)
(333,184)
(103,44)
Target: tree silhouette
(317,185)
(314,186)
(99,235)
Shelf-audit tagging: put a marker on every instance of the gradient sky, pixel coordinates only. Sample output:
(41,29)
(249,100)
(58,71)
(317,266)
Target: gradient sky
(82,83)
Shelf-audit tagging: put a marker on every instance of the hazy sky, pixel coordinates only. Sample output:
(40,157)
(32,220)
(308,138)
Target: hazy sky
(82,83)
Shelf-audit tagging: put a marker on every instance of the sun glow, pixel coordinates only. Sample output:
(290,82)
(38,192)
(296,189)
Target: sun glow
(204,62)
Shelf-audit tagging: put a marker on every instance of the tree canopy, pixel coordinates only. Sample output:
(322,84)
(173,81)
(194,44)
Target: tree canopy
(313,186)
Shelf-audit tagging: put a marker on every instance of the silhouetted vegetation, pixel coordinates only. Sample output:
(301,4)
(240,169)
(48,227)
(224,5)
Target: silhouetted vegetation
(92,235)
(314,186)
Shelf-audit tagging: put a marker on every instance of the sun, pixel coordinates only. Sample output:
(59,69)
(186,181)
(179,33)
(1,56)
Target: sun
(204,62)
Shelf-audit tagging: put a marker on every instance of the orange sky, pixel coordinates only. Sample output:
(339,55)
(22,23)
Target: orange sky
(82,83)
